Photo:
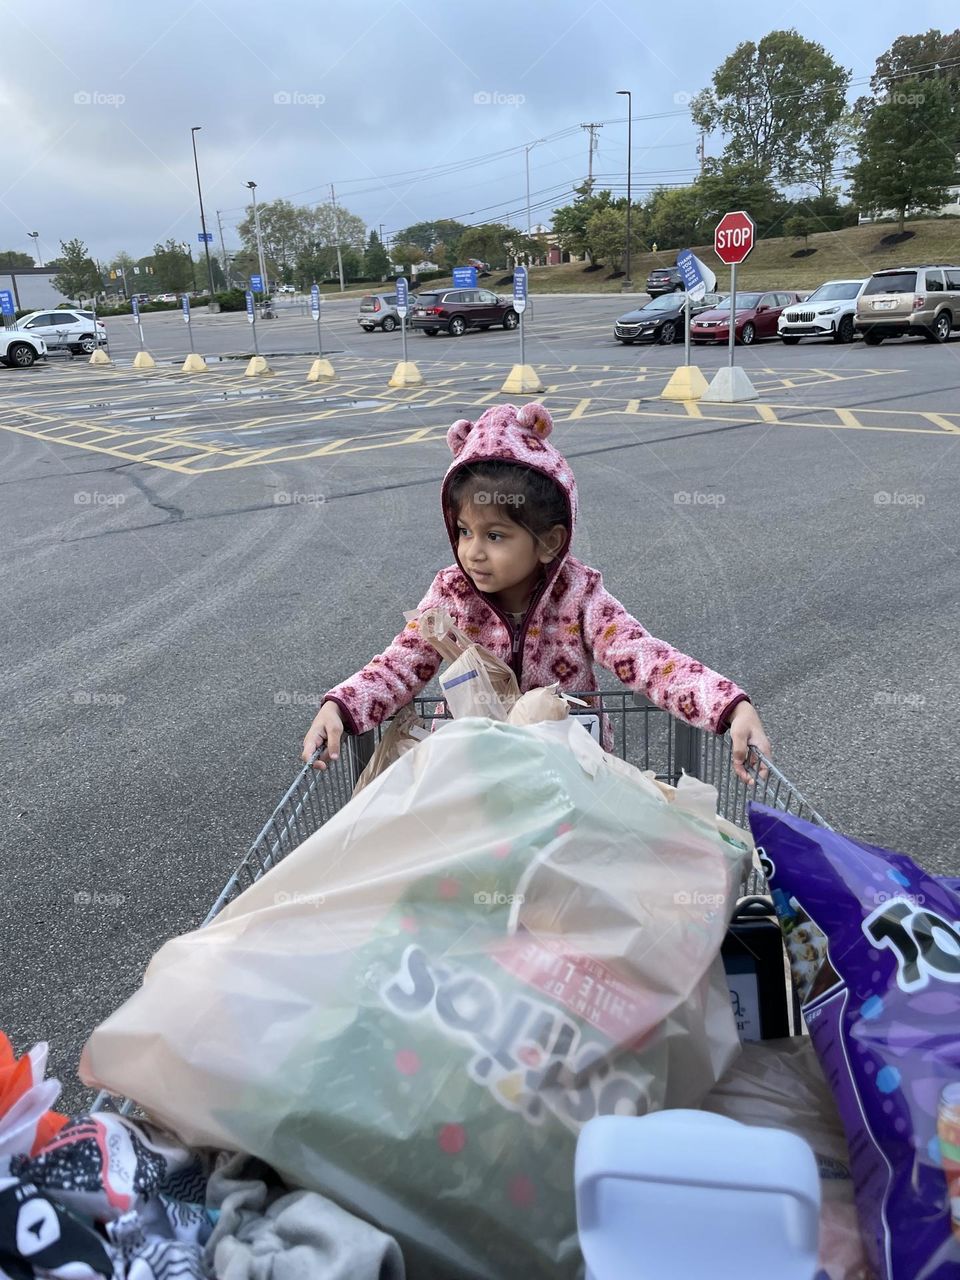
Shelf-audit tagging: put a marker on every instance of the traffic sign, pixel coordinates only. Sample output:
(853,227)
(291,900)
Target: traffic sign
(520,290)
(6,303)
(693,280)
(315,301)
(185,303)
(403,296)
(205,236)
(464,277)
(256,284)
(135,307)
(734,236)
(251,314)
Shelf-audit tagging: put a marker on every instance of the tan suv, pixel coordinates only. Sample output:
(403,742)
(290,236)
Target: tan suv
(904,300)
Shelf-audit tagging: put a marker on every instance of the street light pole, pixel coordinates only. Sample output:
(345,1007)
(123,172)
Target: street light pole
(35,237)
(628,283)
(203,221)
(256,228)
(526,153)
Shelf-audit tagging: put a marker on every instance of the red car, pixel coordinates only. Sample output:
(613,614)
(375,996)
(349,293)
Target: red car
(757,316)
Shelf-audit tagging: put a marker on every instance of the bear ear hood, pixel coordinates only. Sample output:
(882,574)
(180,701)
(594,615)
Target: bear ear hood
(505,433)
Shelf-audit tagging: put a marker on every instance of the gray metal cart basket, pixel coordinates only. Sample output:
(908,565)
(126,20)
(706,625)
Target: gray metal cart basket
(643,735)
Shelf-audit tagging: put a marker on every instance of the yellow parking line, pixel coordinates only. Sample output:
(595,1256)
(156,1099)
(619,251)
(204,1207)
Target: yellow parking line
(940,421)
(693,409)
(848,418)
(766,413)
(578,410)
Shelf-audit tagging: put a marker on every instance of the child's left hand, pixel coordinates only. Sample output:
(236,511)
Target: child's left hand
(746,731)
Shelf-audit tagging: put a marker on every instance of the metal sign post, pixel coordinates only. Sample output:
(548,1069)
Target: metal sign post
(185,303)
(315,312)
(732,337)
(252,318)
(403,299)
(696,286)
(135,308)
(520,304)
(732,241)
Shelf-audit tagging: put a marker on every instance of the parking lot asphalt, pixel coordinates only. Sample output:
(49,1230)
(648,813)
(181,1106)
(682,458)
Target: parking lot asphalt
(190,561)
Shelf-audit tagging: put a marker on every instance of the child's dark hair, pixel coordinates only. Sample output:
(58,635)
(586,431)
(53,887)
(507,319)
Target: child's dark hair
(525,496)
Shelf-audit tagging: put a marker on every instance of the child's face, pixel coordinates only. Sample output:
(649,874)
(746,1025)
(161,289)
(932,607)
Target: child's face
(497,554)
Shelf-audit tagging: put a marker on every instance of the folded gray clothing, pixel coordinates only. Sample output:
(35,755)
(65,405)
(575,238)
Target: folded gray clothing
(267,1233)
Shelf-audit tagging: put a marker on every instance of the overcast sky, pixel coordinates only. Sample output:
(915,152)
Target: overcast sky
(97,102)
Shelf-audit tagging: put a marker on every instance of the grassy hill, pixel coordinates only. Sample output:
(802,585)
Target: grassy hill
(781,263)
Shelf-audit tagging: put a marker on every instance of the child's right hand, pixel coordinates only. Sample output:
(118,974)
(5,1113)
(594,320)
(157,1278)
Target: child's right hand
(327,728)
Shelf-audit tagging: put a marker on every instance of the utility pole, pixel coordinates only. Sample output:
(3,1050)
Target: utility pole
(223,252)
(256,229)
(203,222)
(626,93)
(702,150)
(336,232)
(594,143)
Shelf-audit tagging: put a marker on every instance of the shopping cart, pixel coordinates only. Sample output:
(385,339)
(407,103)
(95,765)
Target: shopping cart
(644,736)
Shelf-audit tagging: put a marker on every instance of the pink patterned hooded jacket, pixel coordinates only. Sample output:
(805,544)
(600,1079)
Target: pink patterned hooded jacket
(570,622)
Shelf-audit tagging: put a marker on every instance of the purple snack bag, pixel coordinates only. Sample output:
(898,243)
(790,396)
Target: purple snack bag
(874,949)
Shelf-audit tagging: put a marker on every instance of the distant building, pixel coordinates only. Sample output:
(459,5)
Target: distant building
(951,208)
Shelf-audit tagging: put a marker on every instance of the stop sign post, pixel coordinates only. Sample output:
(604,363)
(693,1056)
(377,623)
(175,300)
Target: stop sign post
(732,241)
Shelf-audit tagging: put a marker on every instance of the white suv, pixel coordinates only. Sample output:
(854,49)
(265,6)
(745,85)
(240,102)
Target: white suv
(829,312)
(20,350)
(70,330)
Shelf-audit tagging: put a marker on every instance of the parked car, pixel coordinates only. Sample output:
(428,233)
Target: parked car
(661,319)
(19,350)
(483,268)
(65,330)
(379,311)
(664,280)
(828,312)
(456,310)
(921,300)
(757,316)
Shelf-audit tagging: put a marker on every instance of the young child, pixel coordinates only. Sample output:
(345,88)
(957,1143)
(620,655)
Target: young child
(509,501)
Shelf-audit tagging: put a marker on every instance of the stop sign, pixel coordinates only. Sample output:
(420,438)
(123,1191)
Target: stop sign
(733,238)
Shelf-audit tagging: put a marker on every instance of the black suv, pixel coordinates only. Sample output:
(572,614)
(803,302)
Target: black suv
(664,280)
(456,310)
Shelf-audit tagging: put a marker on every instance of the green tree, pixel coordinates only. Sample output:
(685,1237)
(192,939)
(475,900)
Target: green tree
(77,275)
(907,159)
(606,235)
(172,268)
(488,242)
(376,264)
(780,103)
(570,221)
(672,217)
(12,260)
(426,234)
(934,55)
(801,226)
(725,186)
(405,255)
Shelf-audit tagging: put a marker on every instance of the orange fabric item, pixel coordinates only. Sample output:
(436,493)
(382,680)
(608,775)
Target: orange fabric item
(16,1077)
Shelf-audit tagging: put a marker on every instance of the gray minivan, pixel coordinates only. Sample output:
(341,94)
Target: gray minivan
(910,300)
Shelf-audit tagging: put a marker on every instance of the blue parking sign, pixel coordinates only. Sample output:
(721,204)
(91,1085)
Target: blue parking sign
(251,314)
(403,296)
(315,301)
(689,268)
(135,306)
(464,277)
(7,307)
(185,303)
(520,290)
(256,284)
